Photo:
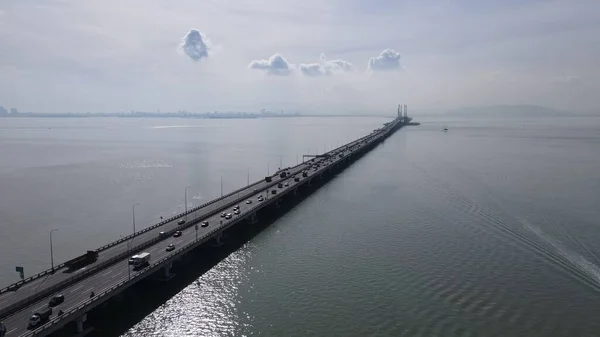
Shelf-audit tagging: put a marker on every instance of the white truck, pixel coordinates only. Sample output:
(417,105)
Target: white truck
(140,260)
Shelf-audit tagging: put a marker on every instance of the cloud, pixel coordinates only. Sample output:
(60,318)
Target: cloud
(325,67)
(195,45)
(389,59)
(275,65)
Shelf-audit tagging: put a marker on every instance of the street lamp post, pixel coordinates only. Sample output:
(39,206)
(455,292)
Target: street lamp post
(221,186)
(269,168)
(185,200)
(248,178)
(128,265)
(133,211)
(51,249)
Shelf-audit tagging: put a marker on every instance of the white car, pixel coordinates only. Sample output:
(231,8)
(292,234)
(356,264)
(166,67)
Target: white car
(228,216)
(248,201)
(236,212)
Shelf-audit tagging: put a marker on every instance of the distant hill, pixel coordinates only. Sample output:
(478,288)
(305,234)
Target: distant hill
(508,111)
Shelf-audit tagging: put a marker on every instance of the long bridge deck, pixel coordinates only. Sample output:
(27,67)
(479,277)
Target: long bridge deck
(111,273)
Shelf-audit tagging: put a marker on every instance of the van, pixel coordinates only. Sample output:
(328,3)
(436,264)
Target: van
(162,234)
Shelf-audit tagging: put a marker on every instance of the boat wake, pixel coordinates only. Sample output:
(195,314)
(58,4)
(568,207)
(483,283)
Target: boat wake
(583,265)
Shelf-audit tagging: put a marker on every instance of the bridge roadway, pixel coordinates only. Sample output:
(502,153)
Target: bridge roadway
(104,279)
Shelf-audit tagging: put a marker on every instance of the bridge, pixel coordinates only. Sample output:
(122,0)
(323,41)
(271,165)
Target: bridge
(108,273)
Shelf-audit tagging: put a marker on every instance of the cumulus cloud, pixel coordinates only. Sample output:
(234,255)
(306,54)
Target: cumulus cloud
(389,59)
(275,65)
(195,45)
(325,67)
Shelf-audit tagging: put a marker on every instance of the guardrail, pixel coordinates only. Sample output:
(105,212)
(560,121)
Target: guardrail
(18,284)
(73,311)
(70,313)
(98,267)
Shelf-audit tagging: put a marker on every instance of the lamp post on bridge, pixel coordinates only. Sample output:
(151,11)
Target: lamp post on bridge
(128,265)
(221,186)
(51,250)
(248,178)
(185,200)
(268,168)
(133,212)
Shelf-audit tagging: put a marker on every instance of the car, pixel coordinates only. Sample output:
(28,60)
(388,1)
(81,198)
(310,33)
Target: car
(181,222)
(177,234)
(248,201)
(162,234)
(280,185)
(286,184)
(260,198)
(236,212)
(170,247)
(273,191)
(228,216)
(56,300)
(223,214)
(204,224)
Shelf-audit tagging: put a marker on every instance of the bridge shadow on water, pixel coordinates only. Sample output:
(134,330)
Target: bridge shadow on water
(119,314)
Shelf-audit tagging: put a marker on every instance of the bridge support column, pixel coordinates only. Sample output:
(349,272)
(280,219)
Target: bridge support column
(80,322)
(295,191)
(219,239)
(253,218)
(167,269)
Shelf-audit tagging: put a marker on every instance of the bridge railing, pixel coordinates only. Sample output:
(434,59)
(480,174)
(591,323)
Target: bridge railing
(101,265)
(75,310)
(18,284)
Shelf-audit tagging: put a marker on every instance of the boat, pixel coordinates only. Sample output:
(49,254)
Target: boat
(444,129)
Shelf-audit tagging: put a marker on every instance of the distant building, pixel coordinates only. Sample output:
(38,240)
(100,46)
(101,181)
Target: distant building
(14,111)
(3,111)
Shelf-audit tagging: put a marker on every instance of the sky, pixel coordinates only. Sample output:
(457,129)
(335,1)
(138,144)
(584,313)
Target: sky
(319,55)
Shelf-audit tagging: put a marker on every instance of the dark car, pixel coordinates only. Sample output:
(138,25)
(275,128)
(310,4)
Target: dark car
(181,222)
(177,234)
(170,247)
(56,300)
(273,191)
(204,224)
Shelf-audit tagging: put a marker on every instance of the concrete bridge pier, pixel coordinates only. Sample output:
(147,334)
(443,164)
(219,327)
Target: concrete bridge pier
(80,322)
(253,218)
(167,269)
(218,240)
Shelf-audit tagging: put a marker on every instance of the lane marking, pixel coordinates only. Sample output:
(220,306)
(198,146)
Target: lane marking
(75,289)
(108,272)
(117,274)
(85,291)
(13,329)
(42,307)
